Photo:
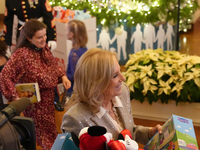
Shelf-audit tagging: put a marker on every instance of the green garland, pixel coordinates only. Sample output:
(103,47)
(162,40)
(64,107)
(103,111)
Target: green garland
(158,11)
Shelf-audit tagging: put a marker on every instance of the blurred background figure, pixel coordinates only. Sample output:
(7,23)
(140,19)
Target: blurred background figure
(77,33)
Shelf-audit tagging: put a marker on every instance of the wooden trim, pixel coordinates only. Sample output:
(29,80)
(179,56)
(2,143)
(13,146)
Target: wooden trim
(161,112)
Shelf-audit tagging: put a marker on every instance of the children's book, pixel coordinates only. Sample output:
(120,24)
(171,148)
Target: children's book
(30,90)
(60,88)
(177,134)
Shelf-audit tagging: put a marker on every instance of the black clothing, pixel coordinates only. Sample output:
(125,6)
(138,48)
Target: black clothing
(25,11)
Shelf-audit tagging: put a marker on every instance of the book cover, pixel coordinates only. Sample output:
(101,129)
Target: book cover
(64,141)
(60,88)
(177,134)
(30,90)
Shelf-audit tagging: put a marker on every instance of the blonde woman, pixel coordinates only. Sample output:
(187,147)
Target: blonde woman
(102,98)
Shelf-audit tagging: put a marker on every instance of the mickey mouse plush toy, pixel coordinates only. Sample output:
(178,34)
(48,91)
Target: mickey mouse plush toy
(97,138)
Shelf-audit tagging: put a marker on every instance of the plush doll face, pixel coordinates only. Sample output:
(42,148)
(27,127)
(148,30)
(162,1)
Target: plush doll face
(129,143)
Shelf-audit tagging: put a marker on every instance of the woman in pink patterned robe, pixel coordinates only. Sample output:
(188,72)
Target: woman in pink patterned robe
(33,62)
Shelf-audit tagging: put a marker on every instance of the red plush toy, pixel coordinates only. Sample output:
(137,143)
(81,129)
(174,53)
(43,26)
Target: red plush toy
(97,138)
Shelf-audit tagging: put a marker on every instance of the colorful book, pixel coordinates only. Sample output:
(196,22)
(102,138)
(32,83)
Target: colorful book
(177,134)
(30,90)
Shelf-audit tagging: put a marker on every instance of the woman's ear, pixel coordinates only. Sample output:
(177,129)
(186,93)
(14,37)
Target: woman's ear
(71,35)
(28,39)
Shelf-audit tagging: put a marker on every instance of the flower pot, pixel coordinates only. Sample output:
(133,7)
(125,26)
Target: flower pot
(161,112)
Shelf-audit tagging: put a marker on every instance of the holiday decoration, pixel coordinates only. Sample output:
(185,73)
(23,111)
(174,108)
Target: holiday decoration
(156,12)
(125,40)
(155,75)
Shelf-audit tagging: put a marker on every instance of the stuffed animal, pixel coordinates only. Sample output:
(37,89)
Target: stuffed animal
(96,137)
(124,142)
(81,15)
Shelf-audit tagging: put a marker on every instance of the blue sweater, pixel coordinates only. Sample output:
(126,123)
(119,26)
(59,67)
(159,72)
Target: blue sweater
(74,56)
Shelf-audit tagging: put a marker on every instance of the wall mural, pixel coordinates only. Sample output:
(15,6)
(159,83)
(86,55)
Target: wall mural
(125,40)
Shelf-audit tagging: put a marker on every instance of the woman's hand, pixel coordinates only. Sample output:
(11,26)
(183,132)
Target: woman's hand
(66,82)
(16,98)
(153,130)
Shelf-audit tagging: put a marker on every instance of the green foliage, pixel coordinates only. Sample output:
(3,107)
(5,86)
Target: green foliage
(133,12)
(154,75)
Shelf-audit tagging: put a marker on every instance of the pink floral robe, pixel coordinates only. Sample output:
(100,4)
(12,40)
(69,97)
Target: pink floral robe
(28,65)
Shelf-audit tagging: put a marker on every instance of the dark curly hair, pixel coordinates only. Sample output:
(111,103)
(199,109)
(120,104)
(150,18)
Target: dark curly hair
(3,48)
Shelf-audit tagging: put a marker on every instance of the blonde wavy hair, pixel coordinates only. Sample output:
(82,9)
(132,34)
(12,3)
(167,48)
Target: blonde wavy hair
(94,71)
(79,31)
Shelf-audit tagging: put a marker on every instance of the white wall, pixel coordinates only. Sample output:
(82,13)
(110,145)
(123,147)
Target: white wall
(2,6)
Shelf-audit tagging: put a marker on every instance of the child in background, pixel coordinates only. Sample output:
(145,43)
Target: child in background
(76,32)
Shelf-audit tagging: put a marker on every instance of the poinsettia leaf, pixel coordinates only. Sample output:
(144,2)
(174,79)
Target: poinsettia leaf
(175,75)
(197,65)
(138,95)
(154,75)
(152,97)
(194,92)
(173,96)
(191,83)
(165,77)
(177,101)
(184,94)
(146,61)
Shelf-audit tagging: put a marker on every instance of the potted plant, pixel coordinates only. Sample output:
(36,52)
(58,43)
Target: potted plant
(163,83)
(163,75)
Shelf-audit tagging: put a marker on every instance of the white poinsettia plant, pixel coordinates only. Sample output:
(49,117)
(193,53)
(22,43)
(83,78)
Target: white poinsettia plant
(163,75)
